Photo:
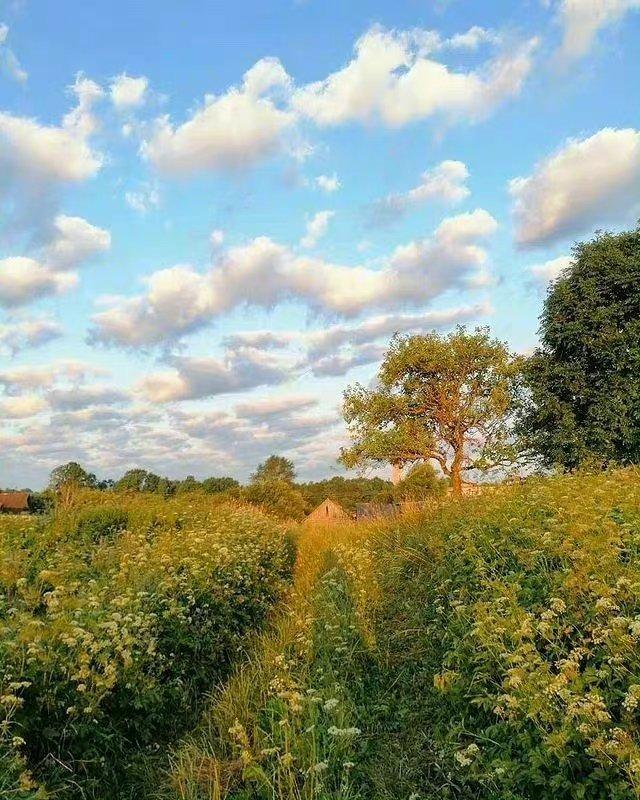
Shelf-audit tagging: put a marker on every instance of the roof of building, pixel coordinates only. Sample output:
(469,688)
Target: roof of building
(328,507)
(14,501)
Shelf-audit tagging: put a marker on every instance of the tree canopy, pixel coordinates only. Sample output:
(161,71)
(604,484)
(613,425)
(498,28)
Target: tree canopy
(72,474)
(584,380)
(275,468)
(443,398)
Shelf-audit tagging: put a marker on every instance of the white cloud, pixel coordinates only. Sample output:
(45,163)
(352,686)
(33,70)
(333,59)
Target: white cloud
(31,377)
(446,183)
(585,183)
(328,183)
(192,378)
(269,407)
(23,280)
(229,131)
(264,273)
(8,60)
(144,199)
(216,238)
(392,79)
(473,38)
(317,227)
(127,92)
(21,406)
(583,19)
(548,271)
(21,334)
(70,399)
(75,240)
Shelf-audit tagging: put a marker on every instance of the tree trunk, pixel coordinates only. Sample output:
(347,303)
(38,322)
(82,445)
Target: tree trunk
(456,473)
(396,474)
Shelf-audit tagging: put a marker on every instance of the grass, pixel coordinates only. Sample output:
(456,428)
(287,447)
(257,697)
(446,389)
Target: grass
(488,649)
(116,616)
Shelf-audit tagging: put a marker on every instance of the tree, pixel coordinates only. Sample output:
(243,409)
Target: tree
(218,485)
(583,382)
(71,474)
(189,484)
(275,468)
(138,480)
(422,483)
(449,399)
(277,497)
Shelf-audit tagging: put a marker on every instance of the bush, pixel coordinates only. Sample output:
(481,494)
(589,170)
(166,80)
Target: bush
(107,643)
(277,497)
(101,523)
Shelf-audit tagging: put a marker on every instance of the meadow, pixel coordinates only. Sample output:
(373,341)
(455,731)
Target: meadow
(486,647)
(116,616)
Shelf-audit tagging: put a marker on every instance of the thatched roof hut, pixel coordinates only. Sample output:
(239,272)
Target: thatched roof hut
(14,502)
(328,511)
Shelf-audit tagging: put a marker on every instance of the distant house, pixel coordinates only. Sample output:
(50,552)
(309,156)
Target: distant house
(328,511)
(14,502)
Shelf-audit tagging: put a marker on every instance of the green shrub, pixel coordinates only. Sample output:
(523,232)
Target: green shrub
(100,523)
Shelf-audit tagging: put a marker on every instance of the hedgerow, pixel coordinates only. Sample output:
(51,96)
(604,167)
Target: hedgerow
(110,635)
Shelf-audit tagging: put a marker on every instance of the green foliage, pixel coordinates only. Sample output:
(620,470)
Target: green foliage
(277,497)
(348,492)
(72,474)
(217,485)
(138,480)
(444,398)
(275,468)
(584,380)
(107,642)
(96,524)
(422,483)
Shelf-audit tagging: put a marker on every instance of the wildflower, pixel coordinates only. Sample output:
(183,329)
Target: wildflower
(321,766)
(330,704)
(343,733)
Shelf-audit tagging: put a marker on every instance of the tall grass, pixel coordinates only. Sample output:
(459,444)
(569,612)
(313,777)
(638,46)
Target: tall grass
(116,615)
(488,649)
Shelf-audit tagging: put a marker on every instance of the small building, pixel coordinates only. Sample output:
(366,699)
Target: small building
(328,511)
(14,502)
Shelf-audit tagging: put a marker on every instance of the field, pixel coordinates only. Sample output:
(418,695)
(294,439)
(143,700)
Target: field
(116,616)
(486,649)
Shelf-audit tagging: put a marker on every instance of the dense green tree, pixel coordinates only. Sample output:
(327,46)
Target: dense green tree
(446,398)
(189,484)
(217,485)
(138,480)
(421,483)
(72,475)
(275,468)
(584,379)
(278,497)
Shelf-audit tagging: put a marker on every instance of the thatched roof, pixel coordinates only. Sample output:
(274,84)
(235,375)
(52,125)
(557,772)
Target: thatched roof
(14,501)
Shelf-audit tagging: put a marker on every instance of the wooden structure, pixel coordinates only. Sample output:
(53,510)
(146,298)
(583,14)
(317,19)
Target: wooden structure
(14,502)
(328,511)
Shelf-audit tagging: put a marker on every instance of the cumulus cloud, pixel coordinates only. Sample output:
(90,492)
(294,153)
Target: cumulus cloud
(127,92)
(28,332)
(8,60)
(587,182)
(445,183)
(328,183)
(192,378)
(263,273)
(229,131)
(317,227)
(392,79)
(273,407)
(73,398)
(32,378)
(473,38)
(36,160)
(73,241)
(543,274)
(581,21)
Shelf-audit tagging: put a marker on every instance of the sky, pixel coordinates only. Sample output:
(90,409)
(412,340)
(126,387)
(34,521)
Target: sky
(214,216)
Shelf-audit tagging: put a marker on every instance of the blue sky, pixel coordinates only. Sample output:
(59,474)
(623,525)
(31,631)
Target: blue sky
(214,216)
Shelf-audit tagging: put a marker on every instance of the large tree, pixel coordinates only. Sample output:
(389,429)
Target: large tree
(447,399)
(275,468)
(584,379)
(72,474)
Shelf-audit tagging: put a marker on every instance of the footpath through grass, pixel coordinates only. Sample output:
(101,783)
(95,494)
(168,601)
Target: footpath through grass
(490,649)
